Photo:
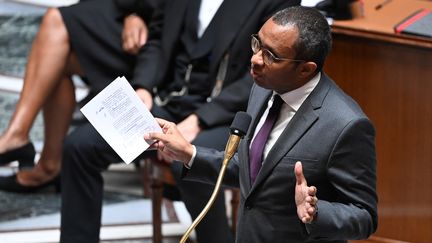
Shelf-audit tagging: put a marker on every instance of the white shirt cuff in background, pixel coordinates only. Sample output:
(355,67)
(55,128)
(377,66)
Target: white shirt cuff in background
(188,165)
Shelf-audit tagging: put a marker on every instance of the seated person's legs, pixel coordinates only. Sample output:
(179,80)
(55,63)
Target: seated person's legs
(47,86)
(70,41)
(85,156)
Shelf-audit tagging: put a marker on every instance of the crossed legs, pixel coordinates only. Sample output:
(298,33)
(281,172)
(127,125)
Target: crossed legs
(47,87)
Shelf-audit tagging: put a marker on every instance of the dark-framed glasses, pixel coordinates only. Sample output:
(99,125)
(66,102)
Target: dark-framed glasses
(268,56)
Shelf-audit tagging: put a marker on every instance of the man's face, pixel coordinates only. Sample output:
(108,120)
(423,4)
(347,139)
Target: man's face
(281,75)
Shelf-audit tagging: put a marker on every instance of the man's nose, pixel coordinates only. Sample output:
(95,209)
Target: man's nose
(257,59)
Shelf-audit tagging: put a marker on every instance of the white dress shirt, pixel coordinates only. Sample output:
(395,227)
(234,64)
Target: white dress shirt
(292,102)
(207,11)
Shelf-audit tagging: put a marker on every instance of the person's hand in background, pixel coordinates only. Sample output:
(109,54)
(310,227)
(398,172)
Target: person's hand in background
(135,33)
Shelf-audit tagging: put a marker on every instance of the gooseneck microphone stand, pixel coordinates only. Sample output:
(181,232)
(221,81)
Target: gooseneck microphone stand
(238,129)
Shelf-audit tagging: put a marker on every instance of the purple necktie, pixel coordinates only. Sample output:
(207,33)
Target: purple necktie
(259,142)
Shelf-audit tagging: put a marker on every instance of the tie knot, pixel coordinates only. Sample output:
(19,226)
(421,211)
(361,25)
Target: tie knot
(277,103)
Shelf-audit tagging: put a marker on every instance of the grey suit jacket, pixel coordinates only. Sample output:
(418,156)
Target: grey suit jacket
(334,140)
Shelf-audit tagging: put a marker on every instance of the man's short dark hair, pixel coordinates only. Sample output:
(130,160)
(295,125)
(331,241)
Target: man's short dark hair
(314,42)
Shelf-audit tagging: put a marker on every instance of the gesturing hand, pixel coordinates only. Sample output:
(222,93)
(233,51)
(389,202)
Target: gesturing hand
(305,196)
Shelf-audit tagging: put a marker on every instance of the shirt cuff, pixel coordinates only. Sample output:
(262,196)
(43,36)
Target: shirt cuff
(188,165)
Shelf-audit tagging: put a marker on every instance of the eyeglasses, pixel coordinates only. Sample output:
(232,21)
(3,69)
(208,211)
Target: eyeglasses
(268,56)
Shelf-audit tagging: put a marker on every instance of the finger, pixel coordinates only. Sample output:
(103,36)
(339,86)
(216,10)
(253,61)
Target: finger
(159,145)
(142,38)
(133,45)
(127,44)
(310,208)
(153,146)
(298,171)
(159,156)
(306,220)
(312,191)
(156,136)
(134,37)
(130,43)
(310,200)
(162,122)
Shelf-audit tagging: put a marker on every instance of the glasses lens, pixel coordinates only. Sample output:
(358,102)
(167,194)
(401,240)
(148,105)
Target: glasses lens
(267,57)
(255,45)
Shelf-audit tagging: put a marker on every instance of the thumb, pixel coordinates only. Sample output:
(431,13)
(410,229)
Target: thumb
(298,171)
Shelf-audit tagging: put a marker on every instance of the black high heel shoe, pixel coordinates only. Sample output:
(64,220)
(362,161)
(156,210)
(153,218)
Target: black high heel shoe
(24,155)
(10,184)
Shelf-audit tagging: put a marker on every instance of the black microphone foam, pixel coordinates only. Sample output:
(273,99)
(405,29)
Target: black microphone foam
(241,123)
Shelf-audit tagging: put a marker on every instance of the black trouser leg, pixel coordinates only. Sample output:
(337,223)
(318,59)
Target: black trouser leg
(85,156)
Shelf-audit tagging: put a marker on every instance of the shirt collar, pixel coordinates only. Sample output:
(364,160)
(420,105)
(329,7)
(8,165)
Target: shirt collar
(295,98)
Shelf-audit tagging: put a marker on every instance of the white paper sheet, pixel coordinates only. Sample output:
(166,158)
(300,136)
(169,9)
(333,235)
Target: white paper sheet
(121,118)
(310,3)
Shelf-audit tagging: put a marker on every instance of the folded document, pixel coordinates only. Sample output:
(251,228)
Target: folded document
(122,119)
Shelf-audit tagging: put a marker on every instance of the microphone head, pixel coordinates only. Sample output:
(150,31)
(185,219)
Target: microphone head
(240,124)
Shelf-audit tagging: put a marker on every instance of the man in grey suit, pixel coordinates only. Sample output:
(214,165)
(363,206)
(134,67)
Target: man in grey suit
(320,134)
(193,70)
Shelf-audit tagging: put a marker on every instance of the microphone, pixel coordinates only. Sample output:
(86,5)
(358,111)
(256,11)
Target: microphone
(238,129)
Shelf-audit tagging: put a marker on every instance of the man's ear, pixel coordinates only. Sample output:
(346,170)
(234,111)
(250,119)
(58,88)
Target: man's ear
(307,69)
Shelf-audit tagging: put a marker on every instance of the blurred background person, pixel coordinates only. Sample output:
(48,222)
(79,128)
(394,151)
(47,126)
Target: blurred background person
(98,40)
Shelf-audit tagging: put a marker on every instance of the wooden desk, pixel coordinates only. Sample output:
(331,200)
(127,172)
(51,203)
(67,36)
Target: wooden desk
(390,76)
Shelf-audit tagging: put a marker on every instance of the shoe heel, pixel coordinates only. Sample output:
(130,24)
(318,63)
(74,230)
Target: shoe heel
(25,164)
(25,156)
(27,161)
(57,184)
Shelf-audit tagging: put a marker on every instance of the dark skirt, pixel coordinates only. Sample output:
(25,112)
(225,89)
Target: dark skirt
(95,29)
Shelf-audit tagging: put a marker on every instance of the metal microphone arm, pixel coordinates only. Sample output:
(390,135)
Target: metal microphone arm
(242,119)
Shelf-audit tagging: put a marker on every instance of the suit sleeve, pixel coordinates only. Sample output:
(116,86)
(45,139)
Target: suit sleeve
(207,165)
(149,57)
(352,172)
(143,8)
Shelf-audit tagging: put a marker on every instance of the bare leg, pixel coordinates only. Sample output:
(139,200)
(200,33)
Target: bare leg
(45,66)
(46,85)
(57,113)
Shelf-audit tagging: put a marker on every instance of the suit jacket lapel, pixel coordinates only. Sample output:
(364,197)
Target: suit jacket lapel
(298,126)
(232,18)
(258,105)
(302,121)
(173,20)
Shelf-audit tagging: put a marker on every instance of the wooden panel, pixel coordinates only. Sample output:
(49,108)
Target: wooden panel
(375,239)
(384,19)
(393,84)
(378,24)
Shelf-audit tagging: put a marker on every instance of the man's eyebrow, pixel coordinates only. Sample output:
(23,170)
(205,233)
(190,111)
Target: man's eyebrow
(267,47)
